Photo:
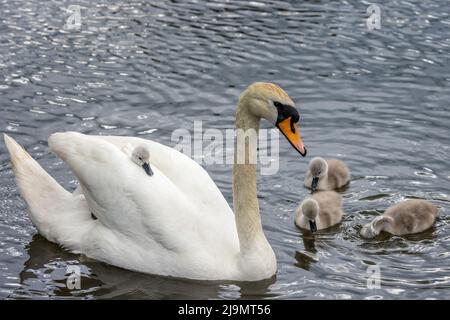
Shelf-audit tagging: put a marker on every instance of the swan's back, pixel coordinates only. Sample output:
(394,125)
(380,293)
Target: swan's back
(150,217)
(184,172)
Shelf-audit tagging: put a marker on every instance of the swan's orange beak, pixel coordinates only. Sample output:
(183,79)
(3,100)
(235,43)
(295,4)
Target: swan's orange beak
(290,131)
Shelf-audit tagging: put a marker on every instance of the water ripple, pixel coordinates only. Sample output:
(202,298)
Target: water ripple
(378,100)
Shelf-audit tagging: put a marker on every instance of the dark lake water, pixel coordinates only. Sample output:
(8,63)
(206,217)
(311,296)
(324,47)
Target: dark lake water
(378,100)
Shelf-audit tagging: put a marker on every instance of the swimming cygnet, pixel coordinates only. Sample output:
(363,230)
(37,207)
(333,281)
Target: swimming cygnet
(141,156)
(320,211)
(326,174)
(411,216)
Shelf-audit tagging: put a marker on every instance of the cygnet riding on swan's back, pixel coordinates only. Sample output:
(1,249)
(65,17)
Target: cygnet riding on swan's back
(177,223)
(327,174)
(141,156)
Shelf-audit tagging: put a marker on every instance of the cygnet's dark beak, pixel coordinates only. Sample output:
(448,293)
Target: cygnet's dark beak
(312,225)
(314,183)
(147,168)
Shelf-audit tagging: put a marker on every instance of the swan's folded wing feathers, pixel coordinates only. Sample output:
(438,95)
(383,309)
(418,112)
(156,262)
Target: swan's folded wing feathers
(184,172)
(123,197)
(57,215)
(211,218)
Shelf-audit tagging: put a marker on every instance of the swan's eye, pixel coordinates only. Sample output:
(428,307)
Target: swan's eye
(286,111)
(278,104)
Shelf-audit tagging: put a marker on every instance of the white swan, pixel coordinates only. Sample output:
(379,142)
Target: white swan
(174,223)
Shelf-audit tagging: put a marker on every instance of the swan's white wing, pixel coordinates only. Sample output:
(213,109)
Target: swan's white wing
(184,172)
(151,213)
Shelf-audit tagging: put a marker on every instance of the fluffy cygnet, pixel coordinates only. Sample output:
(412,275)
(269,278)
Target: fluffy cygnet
(411,216)
(326,174)
(141,156)
(320,211)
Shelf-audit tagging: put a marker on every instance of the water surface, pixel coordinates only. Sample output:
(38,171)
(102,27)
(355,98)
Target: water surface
(377,100)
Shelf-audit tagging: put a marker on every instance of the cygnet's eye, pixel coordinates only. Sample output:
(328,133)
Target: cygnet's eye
(140,158)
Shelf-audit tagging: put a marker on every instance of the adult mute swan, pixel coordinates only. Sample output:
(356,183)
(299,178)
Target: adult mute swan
(174,223)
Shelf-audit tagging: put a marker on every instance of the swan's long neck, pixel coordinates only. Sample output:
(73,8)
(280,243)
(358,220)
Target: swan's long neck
(245,201)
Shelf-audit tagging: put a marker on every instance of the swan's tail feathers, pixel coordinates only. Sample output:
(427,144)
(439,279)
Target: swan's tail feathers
(45,198)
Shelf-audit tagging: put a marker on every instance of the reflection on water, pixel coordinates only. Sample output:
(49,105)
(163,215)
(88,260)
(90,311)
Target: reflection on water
(309,256)
(45,274)
(376,99)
